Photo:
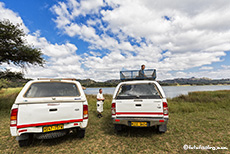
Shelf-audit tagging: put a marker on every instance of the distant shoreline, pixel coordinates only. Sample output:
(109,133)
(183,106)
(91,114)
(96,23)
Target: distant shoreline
(89,83)
(196,85)
(166,85)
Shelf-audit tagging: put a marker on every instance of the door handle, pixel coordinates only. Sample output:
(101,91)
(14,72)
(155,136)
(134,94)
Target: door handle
(138,104)
(52,110)
(138,100)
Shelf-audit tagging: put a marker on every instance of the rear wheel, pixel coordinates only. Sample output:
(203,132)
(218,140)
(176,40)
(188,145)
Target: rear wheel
(162,128)
(81,133)
(26,142)
(118,128)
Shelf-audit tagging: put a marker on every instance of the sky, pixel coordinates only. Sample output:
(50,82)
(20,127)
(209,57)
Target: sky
(97,39)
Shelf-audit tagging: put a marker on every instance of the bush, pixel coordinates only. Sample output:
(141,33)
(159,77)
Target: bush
(3,83)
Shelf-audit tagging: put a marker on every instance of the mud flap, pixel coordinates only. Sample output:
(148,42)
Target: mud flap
(22,137)
(162,128)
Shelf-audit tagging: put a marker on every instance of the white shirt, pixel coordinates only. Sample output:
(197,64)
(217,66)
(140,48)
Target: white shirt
(100,96)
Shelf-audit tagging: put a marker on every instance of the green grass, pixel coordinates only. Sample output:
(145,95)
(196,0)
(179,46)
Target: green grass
(7,97)
(200,118)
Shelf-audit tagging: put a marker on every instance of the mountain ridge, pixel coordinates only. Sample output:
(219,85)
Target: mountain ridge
(167,82)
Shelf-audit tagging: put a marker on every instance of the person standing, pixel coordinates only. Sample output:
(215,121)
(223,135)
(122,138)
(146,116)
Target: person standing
(142,72)
(100,102)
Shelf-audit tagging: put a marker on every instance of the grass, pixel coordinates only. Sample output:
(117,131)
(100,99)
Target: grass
(200,118)
(7,97)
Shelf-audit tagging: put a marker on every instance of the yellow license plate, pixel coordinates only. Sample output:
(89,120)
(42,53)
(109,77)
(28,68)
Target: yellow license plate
(139,124)
(52,128)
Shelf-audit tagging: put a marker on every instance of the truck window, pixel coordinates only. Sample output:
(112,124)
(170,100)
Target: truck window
(142,91)
(52,89)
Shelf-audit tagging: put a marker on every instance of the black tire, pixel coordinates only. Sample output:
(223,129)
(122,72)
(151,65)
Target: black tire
(81,133)
(118,128)
(27,142)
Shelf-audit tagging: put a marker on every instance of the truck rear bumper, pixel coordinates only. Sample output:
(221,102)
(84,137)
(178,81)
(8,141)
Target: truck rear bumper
(151,121)
(32,128)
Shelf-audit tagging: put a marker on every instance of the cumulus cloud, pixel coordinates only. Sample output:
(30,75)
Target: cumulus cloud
(6,14)
(226,66)
(61,59)
(168,36)
(206,68)
(171,37)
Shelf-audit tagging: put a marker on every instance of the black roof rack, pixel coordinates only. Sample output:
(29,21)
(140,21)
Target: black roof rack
(149,74)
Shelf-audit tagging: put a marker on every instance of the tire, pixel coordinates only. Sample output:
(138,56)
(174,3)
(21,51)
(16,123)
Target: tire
(118,128)
(81,133)
(162,128)
(26,142)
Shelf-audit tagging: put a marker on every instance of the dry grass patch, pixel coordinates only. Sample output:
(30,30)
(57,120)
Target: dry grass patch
(192,123)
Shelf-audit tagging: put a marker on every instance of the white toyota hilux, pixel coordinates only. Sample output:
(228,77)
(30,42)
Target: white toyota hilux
(49,108)
(140,103)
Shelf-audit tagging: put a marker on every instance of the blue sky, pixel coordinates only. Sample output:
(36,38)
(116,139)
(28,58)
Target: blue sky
(98,38)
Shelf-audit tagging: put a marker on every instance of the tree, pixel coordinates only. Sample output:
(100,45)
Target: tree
(3,83)
(7,74)
(13,47)
(12,79)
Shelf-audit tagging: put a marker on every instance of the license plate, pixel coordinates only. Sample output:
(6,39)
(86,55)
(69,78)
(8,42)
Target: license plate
(52,128)
(139,124)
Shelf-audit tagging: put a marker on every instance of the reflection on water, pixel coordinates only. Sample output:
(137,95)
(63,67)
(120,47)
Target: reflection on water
(170,91)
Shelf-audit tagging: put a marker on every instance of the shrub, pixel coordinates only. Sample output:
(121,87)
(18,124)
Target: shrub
(3,83)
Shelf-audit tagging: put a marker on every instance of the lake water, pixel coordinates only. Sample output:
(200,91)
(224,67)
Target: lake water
(170,91)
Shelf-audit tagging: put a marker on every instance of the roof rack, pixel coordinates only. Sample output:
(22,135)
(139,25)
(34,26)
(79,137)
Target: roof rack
(149,74)
(72,79)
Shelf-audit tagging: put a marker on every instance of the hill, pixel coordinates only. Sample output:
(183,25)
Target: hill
(171,82)
(194,81)
(14,79)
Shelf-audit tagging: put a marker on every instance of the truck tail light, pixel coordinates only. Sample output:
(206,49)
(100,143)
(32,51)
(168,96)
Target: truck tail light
(113,108)
(165,108)
(85,112)
(13,117)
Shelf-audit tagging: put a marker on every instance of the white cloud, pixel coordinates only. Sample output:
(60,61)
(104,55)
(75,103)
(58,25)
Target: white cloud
(171,37)
(226,66)
(193,33)
(206,68)
(14,17)
(61,59)
(71,9)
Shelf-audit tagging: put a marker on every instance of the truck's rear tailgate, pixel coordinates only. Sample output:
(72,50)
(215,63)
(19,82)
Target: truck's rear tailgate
(139,108)
(32,115)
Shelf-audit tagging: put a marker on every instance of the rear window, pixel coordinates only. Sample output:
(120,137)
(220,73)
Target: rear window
(52,89)
(142,91)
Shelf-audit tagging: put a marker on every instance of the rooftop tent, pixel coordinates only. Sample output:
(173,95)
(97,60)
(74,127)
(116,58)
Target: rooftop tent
(149,74)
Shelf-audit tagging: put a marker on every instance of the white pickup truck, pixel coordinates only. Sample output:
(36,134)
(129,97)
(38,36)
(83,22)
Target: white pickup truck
(139,103)
(49,108)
